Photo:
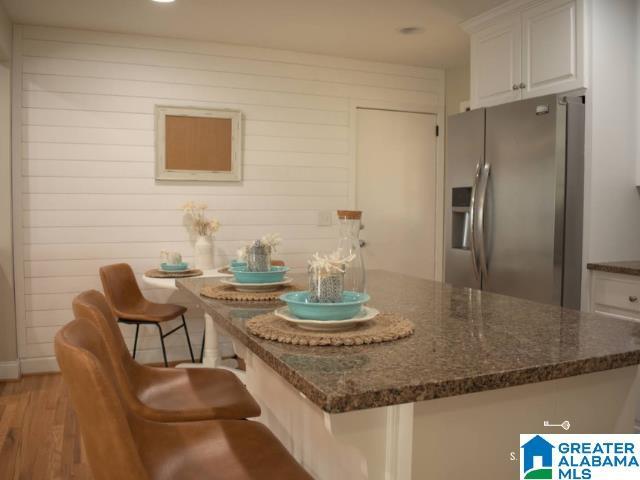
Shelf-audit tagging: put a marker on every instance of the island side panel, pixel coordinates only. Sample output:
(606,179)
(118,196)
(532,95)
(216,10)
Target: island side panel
(365,444)
(472,436)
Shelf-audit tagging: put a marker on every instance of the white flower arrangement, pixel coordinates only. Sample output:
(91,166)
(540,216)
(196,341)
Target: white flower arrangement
(241,253)
(197,221)
(271,240)
(332,263)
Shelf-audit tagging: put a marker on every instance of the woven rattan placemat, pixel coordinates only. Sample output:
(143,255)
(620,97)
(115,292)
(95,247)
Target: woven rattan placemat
(227,292)
(157,273)
(384,328)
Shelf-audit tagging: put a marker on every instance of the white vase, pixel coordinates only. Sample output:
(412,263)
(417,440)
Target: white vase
(204,253)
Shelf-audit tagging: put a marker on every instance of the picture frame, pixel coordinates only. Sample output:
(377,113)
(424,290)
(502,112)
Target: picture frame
(198,144)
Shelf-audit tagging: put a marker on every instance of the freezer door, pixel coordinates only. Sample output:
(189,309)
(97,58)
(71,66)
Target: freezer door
(465,154)
(524,207)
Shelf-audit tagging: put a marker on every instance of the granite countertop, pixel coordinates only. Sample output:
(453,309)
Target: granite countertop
(627,268)
(465,341)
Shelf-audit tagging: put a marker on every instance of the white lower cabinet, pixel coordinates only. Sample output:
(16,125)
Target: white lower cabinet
(617,295)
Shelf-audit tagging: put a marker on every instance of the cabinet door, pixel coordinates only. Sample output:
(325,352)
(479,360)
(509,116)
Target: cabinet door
(496,63)
(552,48)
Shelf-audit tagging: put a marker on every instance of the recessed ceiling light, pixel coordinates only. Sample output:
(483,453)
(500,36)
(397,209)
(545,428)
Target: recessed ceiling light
(410,30)
(163,1)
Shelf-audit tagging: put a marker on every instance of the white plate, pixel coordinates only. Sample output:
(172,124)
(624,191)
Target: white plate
(257,287)
(366,314)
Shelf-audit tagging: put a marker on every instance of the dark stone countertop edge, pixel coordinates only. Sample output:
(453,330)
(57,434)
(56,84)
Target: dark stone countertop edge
(421,392)
(616,267)
(481,383)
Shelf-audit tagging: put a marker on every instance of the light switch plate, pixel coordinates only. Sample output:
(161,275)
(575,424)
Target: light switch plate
(325,218)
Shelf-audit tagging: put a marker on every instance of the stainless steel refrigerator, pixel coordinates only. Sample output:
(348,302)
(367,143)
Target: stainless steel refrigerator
(514,193)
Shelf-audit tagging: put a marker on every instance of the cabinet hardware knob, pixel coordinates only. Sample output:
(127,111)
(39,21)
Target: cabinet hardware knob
(362,243)
(522,85)
(515,86)
(633,298)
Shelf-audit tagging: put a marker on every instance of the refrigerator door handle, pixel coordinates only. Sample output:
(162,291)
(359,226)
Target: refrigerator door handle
(472,221)
(481,209)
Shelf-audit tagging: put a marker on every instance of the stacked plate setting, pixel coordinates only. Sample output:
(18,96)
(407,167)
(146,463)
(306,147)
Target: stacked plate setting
(246,281)
(326,316)
(174,267)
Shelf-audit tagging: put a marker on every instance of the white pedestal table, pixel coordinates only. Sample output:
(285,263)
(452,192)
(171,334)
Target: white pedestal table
(212,357)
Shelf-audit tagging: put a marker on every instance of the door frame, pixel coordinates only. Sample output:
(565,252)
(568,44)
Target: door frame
(431,109)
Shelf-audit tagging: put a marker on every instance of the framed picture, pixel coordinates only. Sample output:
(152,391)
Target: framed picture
(198,144)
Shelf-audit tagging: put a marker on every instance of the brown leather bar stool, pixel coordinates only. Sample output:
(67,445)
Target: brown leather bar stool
(165,394)
(130,306)
(120,444)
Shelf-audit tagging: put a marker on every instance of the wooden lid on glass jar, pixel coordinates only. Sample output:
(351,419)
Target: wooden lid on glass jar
(350,214)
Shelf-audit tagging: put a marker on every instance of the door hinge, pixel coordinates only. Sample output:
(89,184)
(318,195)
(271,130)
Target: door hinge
(437,130)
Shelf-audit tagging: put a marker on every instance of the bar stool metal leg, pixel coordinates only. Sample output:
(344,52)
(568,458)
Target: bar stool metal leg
(186,332)
(135,341)
(204,336)
(164,350)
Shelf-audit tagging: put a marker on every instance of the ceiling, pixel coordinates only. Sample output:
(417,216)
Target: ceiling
(361,29)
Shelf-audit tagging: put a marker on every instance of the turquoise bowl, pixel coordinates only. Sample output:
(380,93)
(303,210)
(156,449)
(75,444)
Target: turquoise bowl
(174,267)
(276,274)
(301,307)
(237,263)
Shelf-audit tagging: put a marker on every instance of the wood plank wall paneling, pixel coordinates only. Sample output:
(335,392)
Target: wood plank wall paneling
(86,185)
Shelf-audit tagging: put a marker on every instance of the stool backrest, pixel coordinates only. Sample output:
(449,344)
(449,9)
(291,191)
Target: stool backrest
(102,416)
(91,306)
(121,289)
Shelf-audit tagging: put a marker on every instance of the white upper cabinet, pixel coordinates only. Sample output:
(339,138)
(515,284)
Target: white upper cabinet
(526,49)
(496,63)
(550,51)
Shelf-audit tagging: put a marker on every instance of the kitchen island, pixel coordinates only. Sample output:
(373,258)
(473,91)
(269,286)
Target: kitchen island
(448,401)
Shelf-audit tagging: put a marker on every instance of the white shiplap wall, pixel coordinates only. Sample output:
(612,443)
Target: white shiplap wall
(84,193)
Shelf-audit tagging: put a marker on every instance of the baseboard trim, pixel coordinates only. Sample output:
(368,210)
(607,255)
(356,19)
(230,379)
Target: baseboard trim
(39,365)
(175,354)
(10,370)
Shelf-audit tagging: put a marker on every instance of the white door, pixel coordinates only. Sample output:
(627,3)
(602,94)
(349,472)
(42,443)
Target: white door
(496,58)
(551,61)
(396,190)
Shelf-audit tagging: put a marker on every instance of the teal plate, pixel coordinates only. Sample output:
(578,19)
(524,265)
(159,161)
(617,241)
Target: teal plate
(177,267)
(301,307)
(237,263)
(276,274)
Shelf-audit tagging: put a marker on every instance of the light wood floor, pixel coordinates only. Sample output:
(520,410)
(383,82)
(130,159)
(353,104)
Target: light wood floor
(39,435)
